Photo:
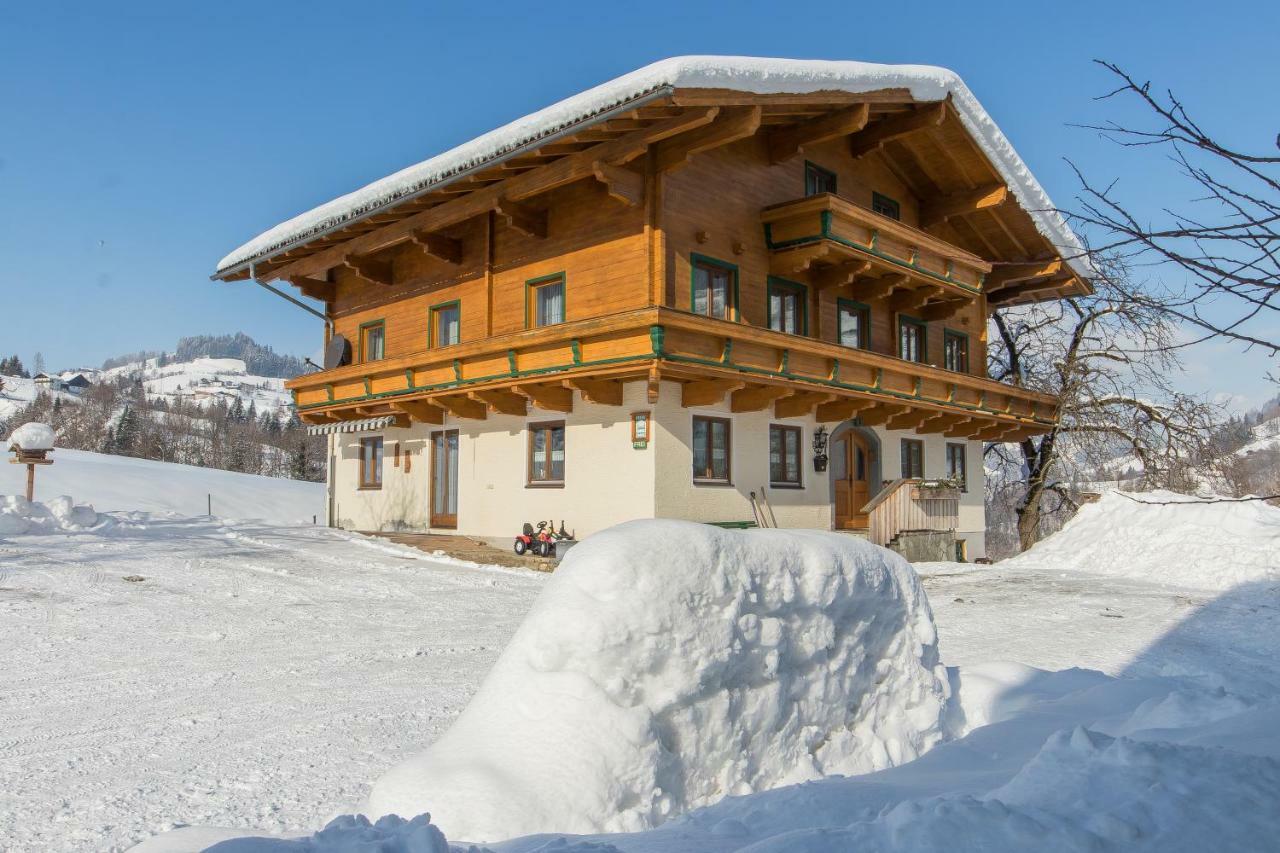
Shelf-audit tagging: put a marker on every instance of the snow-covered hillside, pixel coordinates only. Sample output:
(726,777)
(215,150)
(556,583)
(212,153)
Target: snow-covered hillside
(122,484)
(203,381)
(18,392)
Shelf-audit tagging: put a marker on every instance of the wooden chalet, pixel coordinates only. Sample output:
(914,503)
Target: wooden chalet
(706,278)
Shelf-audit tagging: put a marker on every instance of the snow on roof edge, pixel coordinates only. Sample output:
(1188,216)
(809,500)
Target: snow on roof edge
(736,73)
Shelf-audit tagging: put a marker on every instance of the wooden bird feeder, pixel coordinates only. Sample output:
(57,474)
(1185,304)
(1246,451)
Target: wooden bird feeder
(31,458)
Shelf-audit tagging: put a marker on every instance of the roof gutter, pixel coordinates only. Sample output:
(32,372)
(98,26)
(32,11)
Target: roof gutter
(663,91)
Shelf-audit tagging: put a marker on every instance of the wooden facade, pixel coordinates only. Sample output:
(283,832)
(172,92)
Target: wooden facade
(912,226)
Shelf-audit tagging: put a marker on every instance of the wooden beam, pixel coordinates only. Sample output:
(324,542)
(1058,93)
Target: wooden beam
(369,269)
(621,183)
(842,410)
(1030,288)
(315,288)
(942,310)
(522,217)
(605,392)
(316,418)
(941,422)
(800,403)
(552,398)
(707,392)
(881,413)
(838,275)
(733,123)
(1007,274)
(786,142)
(794,261)
(501,402)
(757,398)
(937,210)
(997,433)
(421,411)
(880,288)
(889,129)
(911,300)
(564,170)
(437,246)
(909,419)
(964,428)
(462,407)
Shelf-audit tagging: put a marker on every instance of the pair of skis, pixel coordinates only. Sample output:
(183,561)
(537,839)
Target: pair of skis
(761,510)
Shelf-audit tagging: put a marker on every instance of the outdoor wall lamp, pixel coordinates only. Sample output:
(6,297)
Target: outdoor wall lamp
(820,449)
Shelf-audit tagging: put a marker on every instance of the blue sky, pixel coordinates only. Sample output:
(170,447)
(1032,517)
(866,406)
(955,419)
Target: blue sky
(139,142)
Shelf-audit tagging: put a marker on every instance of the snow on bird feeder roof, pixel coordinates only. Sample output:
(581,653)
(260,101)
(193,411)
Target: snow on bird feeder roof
(32,437)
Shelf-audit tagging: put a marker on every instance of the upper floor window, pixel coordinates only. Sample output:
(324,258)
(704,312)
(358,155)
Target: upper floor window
(784,456)
(546,301)
(714,288)
(446,324)
(955,351)
(957,468)
(371,463)
(911,339)
(373,338)
(711,441)
(546,454)
(818,180)
(912,458)
(885,206)
(787,307)
(854,322)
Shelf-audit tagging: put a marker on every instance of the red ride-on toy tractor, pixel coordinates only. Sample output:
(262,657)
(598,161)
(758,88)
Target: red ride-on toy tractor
(540,542)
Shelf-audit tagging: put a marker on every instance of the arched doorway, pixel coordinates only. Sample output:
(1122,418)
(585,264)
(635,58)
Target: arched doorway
(855,474)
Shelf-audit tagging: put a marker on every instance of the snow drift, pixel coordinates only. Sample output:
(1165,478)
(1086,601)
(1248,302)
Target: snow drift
(60,515)
(669,664)
(1165,537)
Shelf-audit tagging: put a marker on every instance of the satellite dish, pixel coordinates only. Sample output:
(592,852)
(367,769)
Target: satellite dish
(337,353)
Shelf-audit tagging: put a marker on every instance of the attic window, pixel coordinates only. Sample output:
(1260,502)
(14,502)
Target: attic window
(886,206)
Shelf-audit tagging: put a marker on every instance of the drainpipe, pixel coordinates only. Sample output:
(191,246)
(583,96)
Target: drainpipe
(328,323)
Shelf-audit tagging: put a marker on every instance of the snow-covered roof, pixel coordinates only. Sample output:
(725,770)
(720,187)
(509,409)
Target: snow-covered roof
(32,436)
(735,73)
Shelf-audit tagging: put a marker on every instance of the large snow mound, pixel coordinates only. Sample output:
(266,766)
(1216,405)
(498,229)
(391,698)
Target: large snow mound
(60,515)
(669,664)
(1164,537)
(32,436)
(736,73)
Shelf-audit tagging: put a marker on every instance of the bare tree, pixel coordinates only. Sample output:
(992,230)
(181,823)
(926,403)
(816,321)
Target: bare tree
(1109,358)
(1226,239)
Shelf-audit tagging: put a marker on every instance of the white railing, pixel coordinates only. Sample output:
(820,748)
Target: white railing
(910,504)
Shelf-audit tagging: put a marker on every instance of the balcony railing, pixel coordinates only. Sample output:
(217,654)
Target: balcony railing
(829,229)
(909,505)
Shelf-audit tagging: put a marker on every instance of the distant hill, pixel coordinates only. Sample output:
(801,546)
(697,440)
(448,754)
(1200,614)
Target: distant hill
(259,360)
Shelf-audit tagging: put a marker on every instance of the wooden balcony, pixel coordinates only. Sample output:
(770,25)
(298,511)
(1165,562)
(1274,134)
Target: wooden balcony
(716,360)
(908,505)
(842,241)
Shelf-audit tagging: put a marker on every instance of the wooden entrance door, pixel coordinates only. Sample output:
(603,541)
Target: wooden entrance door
(851,464)
(444,478)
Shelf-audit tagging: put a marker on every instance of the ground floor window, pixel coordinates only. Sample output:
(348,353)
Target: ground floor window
(912,458)
(711,441)
(956,469)
(784,456)
(371,463)
(546,454)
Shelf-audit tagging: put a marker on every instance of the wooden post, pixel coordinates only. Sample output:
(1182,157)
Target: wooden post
(31,482)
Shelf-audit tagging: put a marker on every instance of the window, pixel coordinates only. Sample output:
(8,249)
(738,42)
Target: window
(911,339)
(787,307)
(955,351)
(885,206)
(446,324)
(818,180)
(373,338)
(546,301)
(715,286)
(956,469)
(371,463)
(912,458)
(710,450)
(784,456)
(546,454)
(854,322)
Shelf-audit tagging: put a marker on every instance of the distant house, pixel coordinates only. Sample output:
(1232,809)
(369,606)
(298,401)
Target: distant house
(77,384)
(46,382)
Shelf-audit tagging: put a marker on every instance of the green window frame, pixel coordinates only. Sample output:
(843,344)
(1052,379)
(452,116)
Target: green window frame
(711,266)
(907,328)
(778,291)
(785,456)
(912,459)
(955,350)
(712,446)
(374,330)
(533,290)
(886,206)
(860,310)
(818,180)
(958,464)
(436,313)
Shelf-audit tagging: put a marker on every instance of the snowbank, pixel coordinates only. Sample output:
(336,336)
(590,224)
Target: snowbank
(669,664)
(32,436)
(1202,545)
(60,515)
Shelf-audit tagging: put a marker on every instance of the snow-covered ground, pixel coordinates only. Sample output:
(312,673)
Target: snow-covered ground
(265,677)
(123,484)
